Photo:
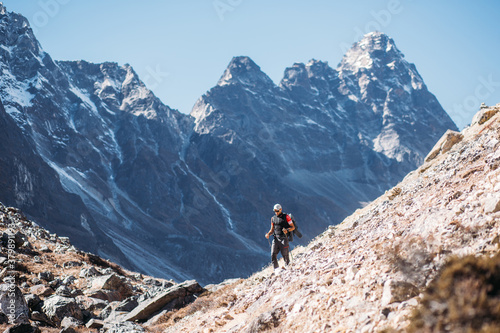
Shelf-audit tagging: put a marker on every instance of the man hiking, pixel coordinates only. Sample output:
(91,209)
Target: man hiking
(281,224)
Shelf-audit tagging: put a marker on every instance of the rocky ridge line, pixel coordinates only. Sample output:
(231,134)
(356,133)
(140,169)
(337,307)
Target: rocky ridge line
(372,271)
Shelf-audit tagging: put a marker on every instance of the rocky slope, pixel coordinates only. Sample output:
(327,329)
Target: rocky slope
(383,268)
(185,197)
(51,286)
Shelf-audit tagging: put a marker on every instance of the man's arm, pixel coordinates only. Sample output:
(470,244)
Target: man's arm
(270,231)
(290,223)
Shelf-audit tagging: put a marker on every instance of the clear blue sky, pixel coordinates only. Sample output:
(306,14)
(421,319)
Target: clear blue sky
(181,48)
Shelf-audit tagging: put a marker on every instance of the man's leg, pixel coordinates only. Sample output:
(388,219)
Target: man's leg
(285,247)
(275,249)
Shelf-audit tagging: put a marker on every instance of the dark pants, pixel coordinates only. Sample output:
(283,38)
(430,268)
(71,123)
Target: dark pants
(280,244)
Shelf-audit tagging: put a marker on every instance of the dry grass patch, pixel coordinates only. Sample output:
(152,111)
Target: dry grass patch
(465,297)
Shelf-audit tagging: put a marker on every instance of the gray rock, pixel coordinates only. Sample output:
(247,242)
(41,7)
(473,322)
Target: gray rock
(89,272)
(149,307)
(32,300)
(492,203)
(107,271)
(71,322)
(71,264)
(3,318)
(267,321)
(14,307)
(22,328)
(110,287)
(106,312)
(447,141)
(45,248)
(95,323)
(54,284)
(153,282)
(91,304)
(47,276)
(484,115)
(398,291)
(128,304)
(57,307)
(64,291)
(19,239)
(69,280)
(41,317)
(37,260)
(41,290)
(123,327)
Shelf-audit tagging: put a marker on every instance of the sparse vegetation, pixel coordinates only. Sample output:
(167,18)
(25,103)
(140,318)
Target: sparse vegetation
(465,297)
(410,256)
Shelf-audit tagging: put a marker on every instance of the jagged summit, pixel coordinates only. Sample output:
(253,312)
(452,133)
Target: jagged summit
(316,75)
(375,49)
(245,71)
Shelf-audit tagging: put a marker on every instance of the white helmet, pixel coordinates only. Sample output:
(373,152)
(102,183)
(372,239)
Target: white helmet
(277,207)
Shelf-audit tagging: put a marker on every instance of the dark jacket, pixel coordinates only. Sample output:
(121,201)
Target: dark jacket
(280,222)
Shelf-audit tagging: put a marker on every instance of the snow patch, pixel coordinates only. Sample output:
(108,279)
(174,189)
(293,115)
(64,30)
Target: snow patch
(85,99)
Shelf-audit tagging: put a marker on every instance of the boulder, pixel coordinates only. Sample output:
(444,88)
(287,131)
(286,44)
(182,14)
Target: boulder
(106,312)
(89,272)
(447,141)
(18,239)
(149,307)
(398,291)
(32,300)
(22,328)
(128,304)
(492,203)
(71,322)
(64,291)
(485,114)
(69,280)
(90,303)
(110,287)
(41,290)
(14,307)
(71,264)
(57,307)
(41,317)
(3,318)
(47,276)
(95,323)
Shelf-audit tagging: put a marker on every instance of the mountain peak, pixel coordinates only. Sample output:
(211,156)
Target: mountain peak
(375,48)
(245,71)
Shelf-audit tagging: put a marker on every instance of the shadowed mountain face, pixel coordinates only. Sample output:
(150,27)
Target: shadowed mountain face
(321,142)
(183,196)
